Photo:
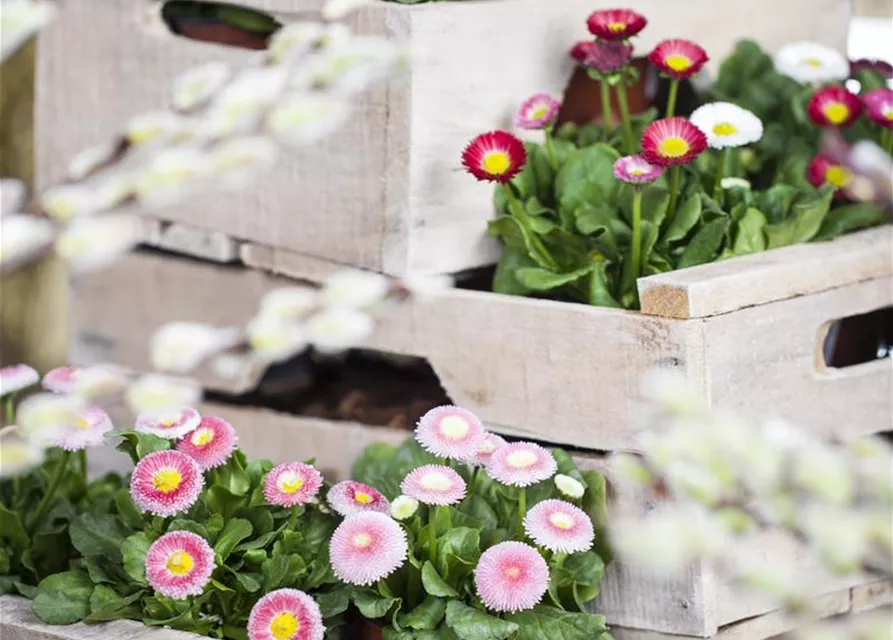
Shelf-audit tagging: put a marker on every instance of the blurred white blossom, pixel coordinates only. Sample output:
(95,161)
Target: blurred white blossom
(338,9)
(43,417)
(18,456)
(154,393)
(235,163)
(339,329)
(68,201)
(425,288)
(304,118)
(19,20)
(12,196)
(352,289)
(274,340)
(91,160)
(570,487)
(171,175)
(300,38)
(196,86)
(404,507)
(155,127)
(288,303)
(22,237)
(93,243)
(181,346)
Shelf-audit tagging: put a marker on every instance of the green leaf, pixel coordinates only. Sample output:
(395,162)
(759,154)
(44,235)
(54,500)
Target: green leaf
(233,533)
(655,201)
(426,616)
(804,221)
(11,528)
(549,623)
(458,546)
(63,598)
(106,604)
(127,509)
(249,581)
(134,551)
(705,244)
(372,605)
(334,602)
(542,280)
(274,571)
(505,278)
(749,237)
(848,218)
(685,218)
(434,584)
(587,177)
(599,287)
(471,624)
(98,535)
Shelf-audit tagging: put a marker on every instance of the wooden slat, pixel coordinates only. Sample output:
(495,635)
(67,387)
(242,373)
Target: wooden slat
(748,281)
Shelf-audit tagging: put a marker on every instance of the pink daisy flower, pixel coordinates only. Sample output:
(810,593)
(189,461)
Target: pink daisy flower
(636,170)
(823,170)
(286,614)
(434,484)
(672,141)
(497,156)
(179,564)
(211,443)
(881,67)
(450,432)
(521,464)
(834,106)
(165,483)
(615,24)
(16,377)
(350,497)
(879,103)
(172,424)
(61,379)
(606,56)
(678,58)
(367,547)
(87,431)
(87,381)
(537,112)
(511,576)
(488,447)
(291,484)
(560,527)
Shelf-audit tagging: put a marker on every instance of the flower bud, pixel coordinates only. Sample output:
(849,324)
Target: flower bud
(569,486)
(404,507)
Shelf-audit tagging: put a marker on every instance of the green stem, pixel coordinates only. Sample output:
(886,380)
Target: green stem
(637,233)
(607,115)
(674,191)
(558,560)
(887,140)
(414,586)
(293,521)
(82,463)
(671,101)
(472,485)
(9,410)
(624,115)
(44,505)
(550,148)
(720,169)
(521,216)
(522,510)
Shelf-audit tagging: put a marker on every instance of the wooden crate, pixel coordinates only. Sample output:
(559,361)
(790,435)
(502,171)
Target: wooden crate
(701,603)
(387,193)
(747,333)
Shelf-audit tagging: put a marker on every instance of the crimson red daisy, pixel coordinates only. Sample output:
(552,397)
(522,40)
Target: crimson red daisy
(834,106)
(823,170)
(678,58)
(615,24)
(496,156)
(672,141)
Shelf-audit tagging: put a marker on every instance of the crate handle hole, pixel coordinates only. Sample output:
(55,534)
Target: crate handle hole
(219,23)
(857,339)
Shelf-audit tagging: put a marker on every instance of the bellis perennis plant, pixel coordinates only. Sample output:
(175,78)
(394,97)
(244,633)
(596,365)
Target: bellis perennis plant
(483,535)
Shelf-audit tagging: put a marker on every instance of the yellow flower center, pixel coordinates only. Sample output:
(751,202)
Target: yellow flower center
(290,483)
(436,481)
(724,129)
(678,62)
(167,480)
(836,112)
(496,162)
(837,176)
(454,427)
(201,437)
(812,62)
(180,563)
(561,520)
(617,27)
(284,626)
(521,459)
(487,448)
(636,172)
(674,147)
(540,112)
(512,572)
(362,541)
(362,497)
(81,423)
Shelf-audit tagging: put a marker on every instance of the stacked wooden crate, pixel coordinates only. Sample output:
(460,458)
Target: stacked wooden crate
(387,194)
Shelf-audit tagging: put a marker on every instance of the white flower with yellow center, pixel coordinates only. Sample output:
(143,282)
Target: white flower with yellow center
(727,125)
(94,243)
(274,340)
(154,127)
(811,63)
(43,418)
(68,201)
(304,118)
(170,176)
(155,392)
(182,346)
(336,330)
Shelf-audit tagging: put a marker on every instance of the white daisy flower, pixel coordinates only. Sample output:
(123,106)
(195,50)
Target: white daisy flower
(727,125)
(354,289)
(155,392)
(273,340)
(336,330)
(305,118)
(94,243)
(235,163)
(23,236)
(68,201)
(182,346)
(194,87)
(811,63)
(12,196)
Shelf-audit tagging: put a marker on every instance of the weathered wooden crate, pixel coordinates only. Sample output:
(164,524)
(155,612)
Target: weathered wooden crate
(702,603)
(387,193)
(748,333)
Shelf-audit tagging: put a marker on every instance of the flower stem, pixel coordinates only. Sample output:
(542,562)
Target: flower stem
(720,169)
(637,233)
(472,485)
(82,464)
(624,115)
(671,100)
(9,410)
(44,505)
(674,191)
(887,140)
(522,510)
(550,148)
(607,115)
(293,521)
(521,216)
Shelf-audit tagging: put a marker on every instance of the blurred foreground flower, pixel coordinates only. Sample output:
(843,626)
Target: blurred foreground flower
(19,20)
(18,456)
(154,392)
(44,418)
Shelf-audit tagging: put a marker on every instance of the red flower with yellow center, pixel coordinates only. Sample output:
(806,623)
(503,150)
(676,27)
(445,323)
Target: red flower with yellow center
(615,24)
(834,107)
(496,156)
(672,141)
(678,58)
(823,170)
